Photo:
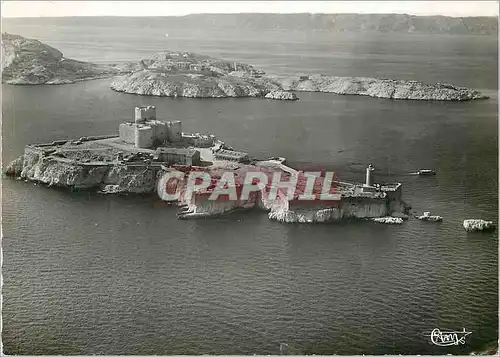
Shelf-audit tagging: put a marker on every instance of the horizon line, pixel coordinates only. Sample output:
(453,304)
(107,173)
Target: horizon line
(250,13)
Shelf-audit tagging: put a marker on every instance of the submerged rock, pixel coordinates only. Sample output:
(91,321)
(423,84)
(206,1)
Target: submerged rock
(478,225)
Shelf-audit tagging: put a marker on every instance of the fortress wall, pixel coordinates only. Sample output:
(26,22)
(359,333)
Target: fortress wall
(174,131)
(160,130)
(127,133)
(144,137)
(364,208)
(97,137)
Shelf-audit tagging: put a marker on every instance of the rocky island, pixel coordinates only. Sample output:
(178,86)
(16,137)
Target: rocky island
(379,88)
(185,74)
(29,61)
(141,157)
(191,75)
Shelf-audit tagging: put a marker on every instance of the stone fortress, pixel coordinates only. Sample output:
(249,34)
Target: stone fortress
(141,148)
(171,145)
(147,132)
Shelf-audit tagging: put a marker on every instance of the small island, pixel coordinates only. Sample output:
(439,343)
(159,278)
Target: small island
(140,157)
(29,61)
(191,75)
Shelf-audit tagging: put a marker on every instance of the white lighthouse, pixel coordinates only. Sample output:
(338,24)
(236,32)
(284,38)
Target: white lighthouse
(369,176)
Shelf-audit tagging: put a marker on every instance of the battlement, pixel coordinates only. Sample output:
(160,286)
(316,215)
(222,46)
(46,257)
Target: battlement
(145,113)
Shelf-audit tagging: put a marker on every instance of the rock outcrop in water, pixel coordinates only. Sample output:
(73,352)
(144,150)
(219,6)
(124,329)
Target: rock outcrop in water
(478,225)
(379,88)
(29,61)
(281,95)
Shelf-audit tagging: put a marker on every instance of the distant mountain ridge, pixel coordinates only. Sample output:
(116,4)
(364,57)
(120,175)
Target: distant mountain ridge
(399,23)
(352,22)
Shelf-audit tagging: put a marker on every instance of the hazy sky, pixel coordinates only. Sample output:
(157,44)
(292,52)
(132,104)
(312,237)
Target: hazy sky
(176,8)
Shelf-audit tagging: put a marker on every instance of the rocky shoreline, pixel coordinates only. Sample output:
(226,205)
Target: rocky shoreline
(40,166)
(191,75)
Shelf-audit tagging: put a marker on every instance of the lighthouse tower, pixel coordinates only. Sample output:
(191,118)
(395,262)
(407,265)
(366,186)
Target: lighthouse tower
(369,176)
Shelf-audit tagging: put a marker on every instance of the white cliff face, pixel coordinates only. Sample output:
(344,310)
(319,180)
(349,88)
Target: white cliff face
(37,167)
(305,216)
(56,173)
(131,179)
(220,207)
(359,209)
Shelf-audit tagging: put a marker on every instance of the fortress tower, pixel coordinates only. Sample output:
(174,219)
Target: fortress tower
(145,132)
(174,131)
(145,113)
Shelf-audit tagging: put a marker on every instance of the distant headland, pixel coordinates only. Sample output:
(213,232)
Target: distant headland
(302,22)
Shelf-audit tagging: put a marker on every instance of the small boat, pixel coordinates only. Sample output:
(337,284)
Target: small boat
(430,218)
(426,172)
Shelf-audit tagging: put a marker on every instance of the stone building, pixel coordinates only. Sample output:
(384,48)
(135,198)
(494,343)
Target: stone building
(147,132)
(182,156)
(199,140)
(230,155)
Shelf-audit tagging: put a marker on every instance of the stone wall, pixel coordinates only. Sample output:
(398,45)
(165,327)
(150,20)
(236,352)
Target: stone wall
(160,130)
(127,133)
(174,131)
(144,137)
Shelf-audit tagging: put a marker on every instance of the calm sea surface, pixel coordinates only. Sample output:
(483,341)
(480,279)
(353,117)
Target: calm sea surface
(91,274)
